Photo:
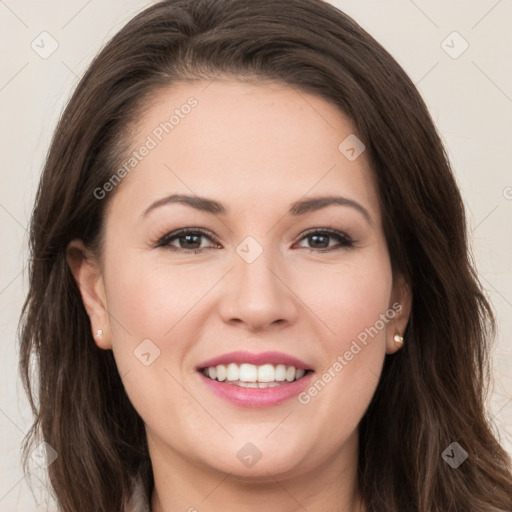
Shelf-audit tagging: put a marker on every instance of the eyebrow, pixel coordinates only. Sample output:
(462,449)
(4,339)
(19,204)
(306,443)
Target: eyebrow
(297,208)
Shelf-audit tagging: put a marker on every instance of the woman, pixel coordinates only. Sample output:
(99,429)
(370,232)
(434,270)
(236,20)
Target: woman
(250,283)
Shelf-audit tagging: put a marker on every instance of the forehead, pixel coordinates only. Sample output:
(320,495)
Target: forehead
(247,143)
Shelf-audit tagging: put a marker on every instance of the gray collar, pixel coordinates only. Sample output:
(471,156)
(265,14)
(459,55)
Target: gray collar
(139,501)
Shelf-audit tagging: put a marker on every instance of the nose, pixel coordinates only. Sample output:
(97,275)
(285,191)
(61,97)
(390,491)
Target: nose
(260,294)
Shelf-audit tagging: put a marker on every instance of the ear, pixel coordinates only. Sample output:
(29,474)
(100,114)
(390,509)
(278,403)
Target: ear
(401,303)
(87,273)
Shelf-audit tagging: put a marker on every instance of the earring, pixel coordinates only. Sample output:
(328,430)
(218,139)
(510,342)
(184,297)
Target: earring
(99,333)
(398,339)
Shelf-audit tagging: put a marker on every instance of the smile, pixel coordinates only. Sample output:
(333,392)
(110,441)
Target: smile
(252,376)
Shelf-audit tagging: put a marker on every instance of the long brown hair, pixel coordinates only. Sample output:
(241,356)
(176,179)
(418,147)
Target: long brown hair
(431,393)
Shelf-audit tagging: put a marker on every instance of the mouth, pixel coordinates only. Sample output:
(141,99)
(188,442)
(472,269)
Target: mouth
(249,380)
(254,376)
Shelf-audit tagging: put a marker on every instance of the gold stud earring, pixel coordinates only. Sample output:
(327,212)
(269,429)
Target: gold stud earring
(99,333)
(398,339)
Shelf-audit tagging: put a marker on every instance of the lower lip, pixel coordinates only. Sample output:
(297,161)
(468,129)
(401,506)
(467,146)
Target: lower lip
(257,397)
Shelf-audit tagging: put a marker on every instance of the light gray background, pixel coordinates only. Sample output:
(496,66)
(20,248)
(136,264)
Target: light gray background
(470,98)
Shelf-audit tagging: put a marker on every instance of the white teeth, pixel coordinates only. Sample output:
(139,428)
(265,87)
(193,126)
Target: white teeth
(280,372)
(266,373)
(248,373)
(252,376)
(221,372)
(232,372)
(256,384)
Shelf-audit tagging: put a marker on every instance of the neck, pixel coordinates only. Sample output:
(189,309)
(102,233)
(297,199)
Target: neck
(181,484)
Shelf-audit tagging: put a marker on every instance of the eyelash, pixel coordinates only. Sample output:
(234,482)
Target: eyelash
(344,240)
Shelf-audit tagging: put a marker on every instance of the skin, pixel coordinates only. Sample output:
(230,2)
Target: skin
(256,148)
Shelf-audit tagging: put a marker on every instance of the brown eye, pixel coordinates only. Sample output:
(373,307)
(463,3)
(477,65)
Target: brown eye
(187,239)
(320,240)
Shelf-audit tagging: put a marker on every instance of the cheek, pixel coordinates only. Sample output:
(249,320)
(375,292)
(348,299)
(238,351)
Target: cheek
(148,299)
(157,309)
(350,298)
(353,309)
(153,308)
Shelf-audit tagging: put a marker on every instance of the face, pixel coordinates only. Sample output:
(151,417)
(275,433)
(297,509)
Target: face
(264,270)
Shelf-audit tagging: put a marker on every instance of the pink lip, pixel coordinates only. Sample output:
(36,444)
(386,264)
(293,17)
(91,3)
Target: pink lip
(241,356)
(257,397)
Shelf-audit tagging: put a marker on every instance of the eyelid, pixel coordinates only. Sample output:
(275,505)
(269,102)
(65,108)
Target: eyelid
(329,231)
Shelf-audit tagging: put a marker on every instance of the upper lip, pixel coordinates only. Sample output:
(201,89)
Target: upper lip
(258,359)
